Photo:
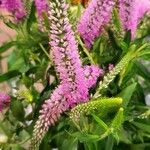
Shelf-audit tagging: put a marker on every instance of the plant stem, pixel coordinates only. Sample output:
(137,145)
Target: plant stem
(42,47)
(86,51)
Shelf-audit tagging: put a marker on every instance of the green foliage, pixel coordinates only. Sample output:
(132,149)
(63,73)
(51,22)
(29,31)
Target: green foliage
(115,118)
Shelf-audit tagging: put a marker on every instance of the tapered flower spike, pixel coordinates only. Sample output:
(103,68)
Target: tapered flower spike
(95,17)
(131,12)
(117,121)
(4,101)
(65,54)
(41,7)
(49,114)
(102,106)
(16,7)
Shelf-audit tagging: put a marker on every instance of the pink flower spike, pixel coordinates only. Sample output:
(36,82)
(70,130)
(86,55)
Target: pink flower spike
(16,7)
(49,114)
(131,12)
(96,15)
(65,54)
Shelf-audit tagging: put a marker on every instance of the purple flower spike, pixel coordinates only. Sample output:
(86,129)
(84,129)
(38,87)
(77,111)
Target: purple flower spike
(65,54)
(96,15)
(16,7)
(49,114)
(131,12)
(4,101)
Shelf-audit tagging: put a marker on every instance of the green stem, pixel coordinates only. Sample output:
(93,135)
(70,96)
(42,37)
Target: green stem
(86,51)
(142,47)
(42,47)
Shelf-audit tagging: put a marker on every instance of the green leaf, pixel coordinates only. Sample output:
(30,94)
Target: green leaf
(110,143)
(18,110)
(142,126)
(17,147)
(127,93)
(11,25)
(17,62)
(142,70)
(71,144)
(86,137)
(113,40)
(127,38)
(9,75)
(124,136)
(100,122)
(6,46)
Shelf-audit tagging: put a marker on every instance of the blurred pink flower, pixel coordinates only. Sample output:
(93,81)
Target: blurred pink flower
(4,100)
(131,13)
(95,17)
(110,67)
(16,7)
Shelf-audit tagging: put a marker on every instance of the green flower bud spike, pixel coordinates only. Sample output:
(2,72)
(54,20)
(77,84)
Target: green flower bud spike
(111,75)
(117,121)
(102,106)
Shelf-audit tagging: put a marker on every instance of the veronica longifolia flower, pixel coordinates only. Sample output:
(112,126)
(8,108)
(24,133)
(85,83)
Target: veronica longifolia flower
(50,112)
(16,7)
(131,12)
(96,15)
(4,101)
(65,54)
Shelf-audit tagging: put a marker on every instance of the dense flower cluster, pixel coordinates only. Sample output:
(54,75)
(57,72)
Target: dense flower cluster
(131,12)
(65,55)
(49,114)
(96,15)
(16,7)
(4,100)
